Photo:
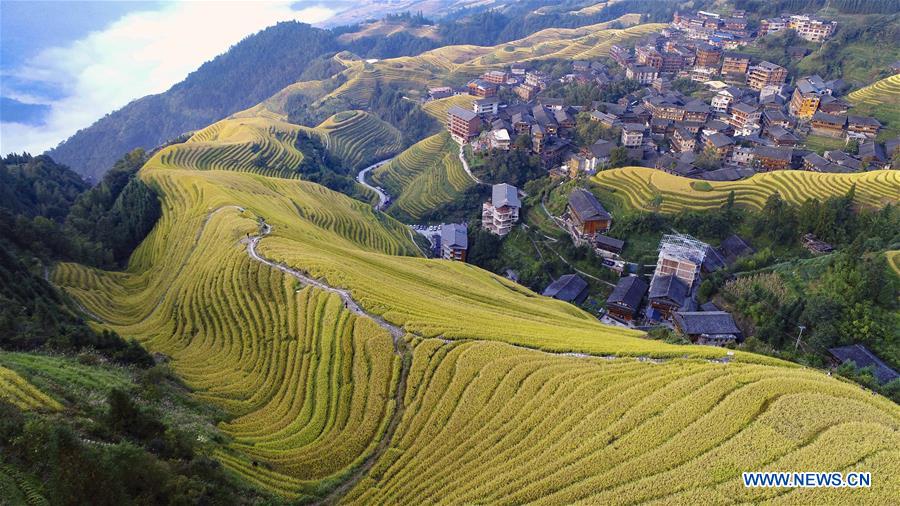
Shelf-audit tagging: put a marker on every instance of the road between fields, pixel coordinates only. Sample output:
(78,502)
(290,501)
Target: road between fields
(465,164)
(401,349)
(383,197)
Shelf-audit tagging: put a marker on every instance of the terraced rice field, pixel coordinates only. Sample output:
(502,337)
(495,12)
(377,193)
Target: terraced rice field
(258,144)
(882,100)
(489,424)
(307,383)
(637,187)
(17,390)
(424,177)
(500,404)
(65,378)
(438,108)
(359,138)
(458,63)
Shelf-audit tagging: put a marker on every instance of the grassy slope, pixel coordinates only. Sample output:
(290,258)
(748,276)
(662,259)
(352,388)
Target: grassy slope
(19,391)
(882,100)
(637,187)
(306,382)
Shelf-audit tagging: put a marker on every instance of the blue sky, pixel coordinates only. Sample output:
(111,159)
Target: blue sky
(65,64)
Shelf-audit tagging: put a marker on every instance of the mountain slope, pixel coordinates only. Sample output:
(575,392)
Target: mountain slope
(249,72)
(321,404)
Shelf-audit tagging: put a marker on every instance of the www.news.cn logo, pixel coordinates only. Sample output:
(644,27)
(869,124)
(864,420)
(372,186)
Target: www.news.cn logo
(807,480)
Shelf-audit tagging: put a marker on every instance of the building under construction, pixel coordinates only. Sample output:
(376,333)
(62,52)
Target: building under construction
(680,255)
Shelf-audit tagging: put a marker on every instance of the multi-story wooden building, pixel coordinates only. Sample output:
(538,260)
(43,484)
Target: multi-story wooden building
(769,159)
(462,124)
(828,125)
(707,56)
(586,215)
(500,214)
(863,125)
(454,241)
(806,97)
(766,74)
(735,64)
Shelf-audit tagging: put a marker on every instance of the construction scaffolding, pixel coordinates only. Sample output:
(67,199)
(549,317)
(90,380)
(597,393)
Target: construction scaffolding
(680,255)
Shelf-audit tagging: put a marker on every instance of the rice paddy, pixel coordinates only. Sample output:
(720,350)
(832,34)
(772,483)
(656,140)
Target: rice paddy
(17,390)
(501,402)
(359,138)
(881,100)
(518,426)
(424,177)
(644,188)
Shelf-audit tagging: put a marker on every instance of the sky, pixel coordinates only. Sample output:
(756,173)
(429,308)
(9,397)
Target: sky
(65,64)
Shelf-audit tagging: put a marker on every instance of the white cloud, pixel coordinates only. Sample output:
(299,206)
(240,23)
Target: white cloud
(141,53)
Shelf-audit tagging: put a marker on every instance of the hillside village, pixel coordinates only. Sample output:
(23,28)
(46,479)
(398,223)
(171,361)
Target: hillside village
(489,252)
(686,102)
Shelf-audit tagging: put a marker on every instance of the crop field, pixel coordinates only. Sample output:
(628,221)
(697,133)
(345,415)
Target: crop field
(425,176)
(459,63)
(518,426)
(509,397)
(359,138)
(882,100)
(258,145)
(438,108)
(66,379)
(17,390)
(639,187)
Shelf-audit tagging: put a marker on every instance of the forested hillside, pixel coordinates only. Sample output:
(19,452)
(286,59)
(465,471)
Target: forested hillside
(249,72)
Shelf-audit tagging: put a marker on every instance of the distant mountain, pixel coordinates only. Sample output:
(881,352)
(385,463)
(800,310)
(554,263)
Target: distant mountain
(249,72)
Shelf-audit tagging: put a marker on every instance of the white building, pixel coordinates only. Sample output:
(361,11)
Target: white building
(742,156)
(488,105)
(500,139)
(500,214)
(632,135)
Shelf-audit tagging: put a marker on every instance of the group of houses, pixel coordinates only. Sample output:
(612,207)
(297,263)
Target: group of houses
(671,295)
(740,116)
(744,117)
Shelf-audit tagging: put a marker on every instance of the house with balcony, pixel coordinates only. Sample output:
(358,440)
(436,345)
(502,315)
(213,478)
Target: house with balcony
(501,213)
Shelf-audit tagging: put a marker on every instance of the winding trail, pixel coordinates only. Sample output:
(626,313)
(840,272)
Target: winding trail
(383,197)
(465,164)
(401,349)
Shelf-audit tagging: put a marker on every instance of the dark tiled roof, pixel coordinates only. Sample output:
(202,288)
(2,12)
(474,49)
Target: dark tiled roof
(720,140)
(728,174)
(865,358)
(668,287)
(628,292)
(586,205)
(569,288)
(783,154)
(459,112)
(454,235)
(709,306)
(610,242)
(734,247)
(829,118)
(706,322)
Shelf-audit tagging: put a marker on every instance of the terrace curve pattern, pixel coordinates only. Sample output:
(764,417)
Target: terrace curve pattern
(510,396)
(643,188)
